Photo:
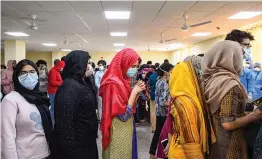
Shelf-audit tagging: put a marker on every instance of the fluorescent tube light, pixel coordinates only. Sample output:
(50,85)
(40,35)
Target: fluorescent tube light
(49,44)
(119,44)
(202,34)
(245,15)
(16,34)
(117,14)
(66,50)
(118,33)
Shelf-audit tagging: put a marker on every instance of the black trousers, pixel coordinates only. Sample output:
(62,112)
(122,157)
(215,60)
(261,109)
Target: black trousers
(160,121)
(142,110)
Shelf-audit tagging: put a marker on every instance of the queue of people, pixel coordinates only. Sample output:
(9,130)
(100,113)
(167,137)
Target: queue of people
(197,108)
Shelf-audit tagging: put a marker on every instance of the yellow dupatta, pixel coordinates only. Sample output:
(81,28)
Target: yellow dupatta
(190,137)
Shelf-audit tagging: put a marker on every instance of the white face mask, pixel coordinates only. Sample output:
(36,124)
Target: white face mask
(101,68)
(90,71)
(247,66)
(257,69)
(29,81)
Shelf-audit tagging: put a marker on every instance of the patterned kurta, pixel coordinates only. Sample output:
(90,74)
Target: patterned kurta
(229,144)
(162,95)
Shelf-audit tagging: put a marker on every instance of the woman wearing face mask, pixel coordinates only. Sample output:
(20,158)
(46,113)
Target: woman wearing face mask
(117,127)
(226,99)
(98,77)
(257,74)
(162,99)
(26,122)
(76,124)
(54,81)
(142,104)
(99,74)
(43,75)
(3,67)
(6,78)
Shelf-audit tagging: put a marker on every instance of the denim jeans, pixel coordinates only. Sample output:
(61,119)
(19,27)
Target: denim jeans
(52,100)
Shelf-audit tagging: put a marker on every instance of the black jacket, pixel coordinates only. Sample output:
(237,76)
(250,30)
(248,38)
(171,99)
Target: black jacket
(76,124)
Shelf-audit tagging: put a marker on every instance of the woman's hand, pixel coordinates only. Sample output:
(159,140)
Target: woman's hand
(139,87)
(166,149)
(257,115)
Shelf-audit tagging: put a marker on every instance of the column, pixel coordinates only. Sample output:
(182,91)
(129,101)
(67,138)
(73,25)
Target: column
(14,50)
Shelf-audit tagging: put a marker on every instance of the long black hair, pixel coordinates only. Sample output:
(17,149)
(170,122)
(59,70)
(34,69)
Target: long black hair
(165,67)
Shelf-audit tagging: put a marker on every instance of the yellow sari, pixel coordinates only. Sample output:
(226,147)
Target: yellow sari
(190,137)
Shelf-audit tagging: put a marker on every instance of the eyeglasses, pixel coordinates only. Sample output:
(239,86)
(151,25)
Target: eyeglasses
(248,45)
(31,72)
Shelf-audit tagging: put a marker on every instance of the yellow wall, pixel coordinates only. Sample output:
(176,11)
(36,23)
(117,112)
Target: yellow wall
(257,43)
(198,48)
(35,56)
(2,58)
(153,56)
(204,46)
(57,55)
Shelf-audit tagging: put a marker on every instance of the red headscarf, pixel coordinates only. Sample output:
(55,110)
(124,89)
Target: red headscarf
(115,90)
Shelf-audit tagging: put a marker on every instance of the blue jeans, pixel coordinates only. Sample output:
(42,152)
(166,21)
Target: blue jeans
(52,101)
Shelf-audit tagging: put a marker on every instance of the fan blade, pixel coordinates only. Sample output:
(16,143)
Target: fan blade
(161,37)
(176,27)
(170,40)
(71,42)
(199,24)
(27,18)
(28,23)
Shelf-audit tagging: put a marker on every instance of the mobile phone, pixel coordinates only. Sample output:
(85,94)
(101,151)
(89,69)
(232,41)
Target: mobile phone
(164,143)
(257,102)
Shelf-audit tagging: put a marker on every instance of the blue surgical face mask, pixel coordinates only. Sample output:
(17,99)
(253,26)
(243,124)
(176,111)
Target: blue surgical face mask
(29,81)
(241,72)
(131,72)
(247,53)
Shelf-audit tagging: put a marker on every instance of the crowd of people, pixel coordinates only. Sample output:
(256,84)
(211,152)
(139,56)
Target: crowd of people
(208,106)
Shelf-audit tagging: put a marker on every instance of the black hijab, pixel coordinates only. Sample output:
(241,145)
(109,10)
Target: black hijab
(75,64)
(35,97)
(75,67)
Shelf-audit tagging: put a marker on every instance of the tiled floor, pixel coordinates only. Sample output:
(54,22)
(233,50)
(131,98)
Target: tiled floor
(144,136)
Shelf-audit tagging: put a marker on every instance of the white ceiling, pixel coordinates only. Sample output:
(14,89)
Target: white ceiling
(148,20)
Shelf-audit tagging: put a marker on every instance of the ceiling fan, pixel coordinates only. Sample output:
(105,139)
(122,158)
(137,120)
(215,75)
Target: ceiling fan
(185,26)
(71,42)
(164,41)
(148,48)
(32,25)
